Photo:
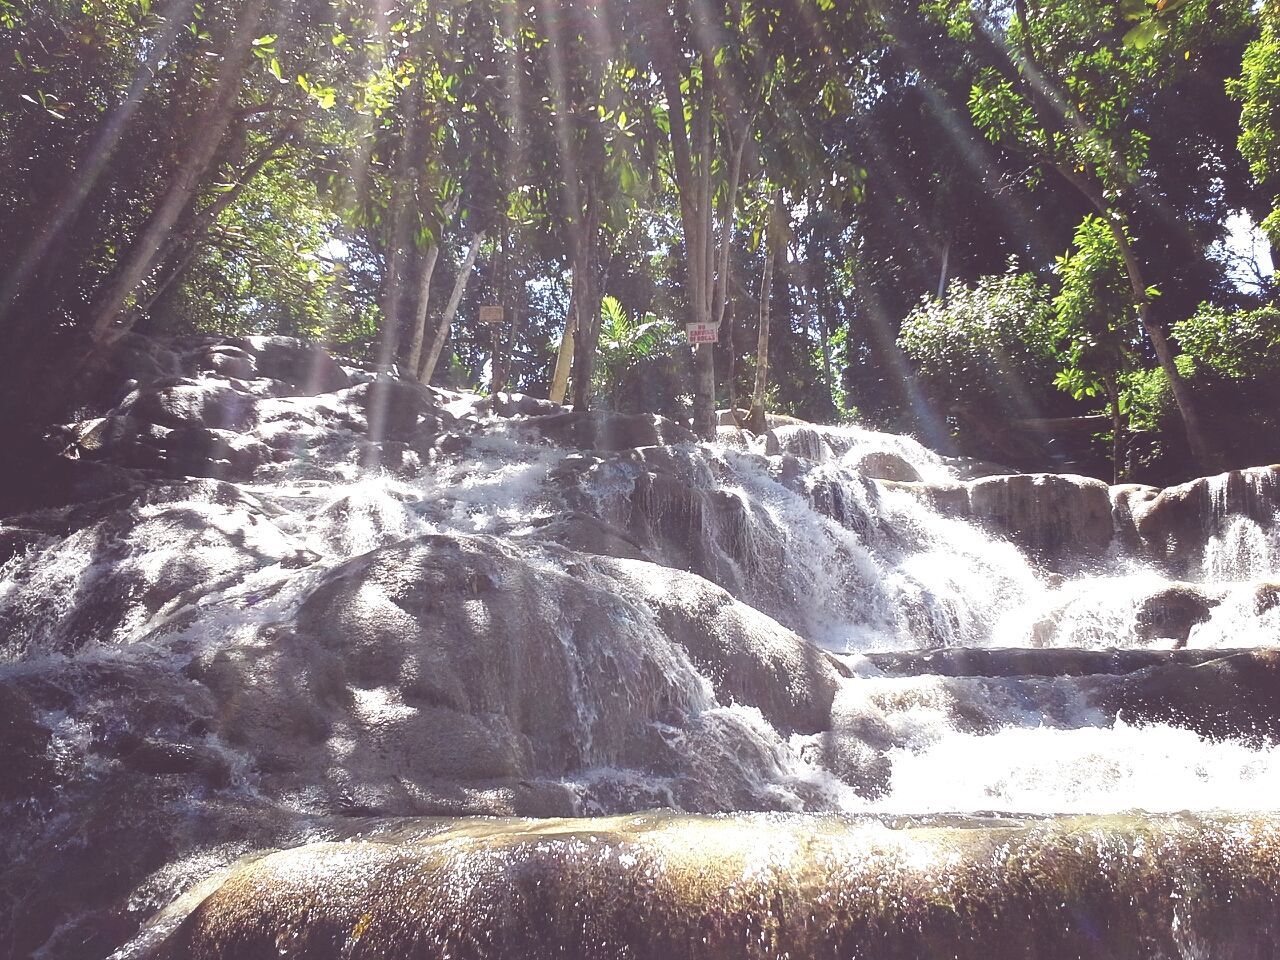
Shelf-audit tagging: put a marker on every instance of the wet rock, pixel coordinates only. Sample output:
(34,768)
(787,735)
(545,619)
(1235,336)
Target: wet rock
(1128,501)
(1176,524)
(1053,516)
(1232,696)
(608,431)
(205,452)
(661,886)
(521,405)
(747,656)
(157,757)
(882,465)
(394,409)
(107,581)
(201,404)
(802,440)
(1048,514)
(227,360)
(736,438)
(306,368)
(588,534)
(1172,612)
(435,660)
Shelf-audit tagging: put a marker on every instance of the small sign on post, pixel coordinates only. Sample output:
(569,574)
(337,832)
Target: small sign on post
(702,332)
(491,314)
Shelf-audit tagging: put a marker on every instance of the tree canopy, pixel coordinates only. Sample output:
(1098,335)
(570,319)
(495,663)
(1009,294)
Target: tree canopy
(835,189)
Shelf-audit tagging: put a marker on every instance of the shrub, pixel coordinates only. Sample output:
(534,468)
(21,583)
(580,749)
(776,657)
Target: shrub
(988,345)
(1236,344)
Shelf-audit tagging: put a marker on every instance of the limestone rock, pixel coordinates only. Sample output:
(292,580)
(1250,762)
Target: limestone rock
(608,431)
(305,367)
(661,886)
(106,581)
(1049,514)
(1172,612)
(883,465)
(1176,524)
(1233,696)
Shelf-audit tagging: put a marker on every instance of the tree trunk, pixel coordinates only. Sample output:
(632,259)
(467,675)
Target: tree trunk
(1117,432)
(207,136)
(692,176)
(451,309)
(773,235)
(564,356)
(942,273)
(587,300)
(426,273)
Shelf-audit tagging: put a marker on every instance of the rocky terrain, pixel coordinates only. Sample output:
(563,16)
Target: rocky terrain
(260,599)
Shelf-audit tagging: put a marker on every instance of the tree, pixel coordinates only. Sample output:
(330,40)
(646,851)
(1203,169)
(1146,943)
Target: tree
(1061,82)
(1258,89)
(1094,325)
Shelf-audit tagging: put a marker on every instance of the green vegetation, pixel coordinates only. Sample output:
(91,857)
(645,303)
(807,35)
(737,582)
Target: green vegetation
(606,172)
(989,346)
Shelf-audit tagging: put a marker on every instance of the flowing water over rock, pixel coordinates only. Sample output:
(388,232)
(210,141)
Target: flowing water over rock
(280,602)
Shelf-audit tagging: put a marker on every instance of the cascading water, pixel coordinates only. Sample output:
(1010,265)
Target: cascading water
(407,603)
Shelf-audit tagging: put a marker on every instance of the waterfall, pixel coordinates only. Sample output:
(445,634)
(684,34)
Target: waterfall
(491,606)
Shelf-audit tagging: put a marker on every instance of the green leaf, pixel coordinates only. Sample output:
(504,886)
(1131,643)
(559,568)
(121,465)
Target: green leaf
(274,67)
(1133,9)
(1140,37)
(266,41)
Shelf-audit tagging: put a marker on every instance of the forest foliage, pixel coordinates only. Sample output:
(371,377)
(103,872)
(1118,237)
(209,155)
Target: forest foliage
(955,217)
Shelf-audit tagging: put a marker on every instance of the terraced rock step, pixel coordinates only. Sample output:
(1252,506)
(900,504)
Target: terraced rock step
(1032,662)
(1216,693)
(672,887)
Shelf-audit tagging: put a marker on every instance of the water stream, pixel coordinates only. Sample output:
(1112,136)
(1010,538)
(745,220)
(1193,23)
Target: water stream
(509,623)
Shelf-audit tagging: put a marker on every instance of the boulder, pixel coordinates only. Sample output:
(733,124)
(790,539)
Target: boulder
(1233,696)
(883,465)
(226,360)
(1172,612)
(395,409)
(1176,524)
(189,403)
(1051,515)
(442,667)
(521,405)
(202,452)
(748,657)
(305,367)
